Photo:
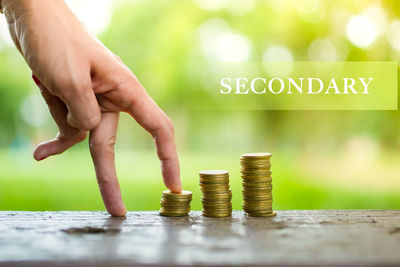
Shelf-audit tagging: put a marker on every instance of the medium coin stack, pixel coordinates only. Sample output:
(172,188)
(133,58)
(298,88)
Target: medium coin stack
(175,204)
(217,194)
(257,184)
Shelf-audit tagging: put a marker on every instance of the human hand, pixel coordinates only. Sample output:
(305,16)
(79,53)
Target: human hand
(86,86)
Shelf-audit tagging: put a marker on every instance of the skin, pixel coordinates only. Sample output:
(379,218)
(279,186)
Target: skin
(85,87)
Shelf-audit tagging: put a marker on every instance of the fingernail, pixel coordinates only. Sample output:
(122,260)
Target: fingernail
(42,158)
(35,79)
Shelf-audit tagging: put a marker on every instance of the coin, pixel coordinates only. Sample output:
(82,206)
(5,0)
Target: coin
(256,184)
(257,155)
(217,194)
(175,204)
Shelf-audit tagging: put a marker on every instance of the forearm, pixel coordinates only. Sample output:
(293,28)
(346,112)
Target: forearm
(40,27)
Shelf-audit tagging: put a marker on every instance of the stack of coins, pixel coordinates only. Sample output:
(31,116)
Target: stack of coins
(175,204)
(257,184)
(217,194)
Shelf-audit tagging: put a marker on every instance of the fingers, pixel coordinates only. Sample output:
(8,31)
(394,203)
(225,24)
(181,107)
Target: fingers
(146,112)
(101,142)
(78,96)
(67,137)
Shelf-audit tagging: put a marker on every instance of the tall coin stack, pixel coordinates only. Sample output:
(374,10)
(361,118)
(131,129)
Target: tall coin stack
(217,194)
(257,184)
(175,204)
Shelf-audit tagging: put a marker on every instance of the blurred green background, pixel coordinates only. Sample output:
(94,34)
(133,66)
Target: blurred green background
(321,159)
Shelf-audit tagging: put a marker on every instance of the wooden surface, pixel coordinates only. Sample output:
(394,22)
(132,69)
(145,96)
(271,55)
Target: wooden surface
(334,237)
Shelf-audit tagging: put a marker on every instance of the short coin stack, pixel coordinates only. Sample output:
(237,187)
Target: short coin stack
(257,184)
(175,204)
(217,194)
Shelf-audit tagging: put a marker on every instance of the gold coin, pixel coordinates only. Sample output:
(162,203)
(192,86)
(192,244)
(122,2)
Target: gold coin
(215,187)
(271,214)
(225,206)
(246,163)
(251,203)
(256,172)
(256,187)
(174,212)
(175,204)
(182,194)
(215,179)
(207,177)
(213,173)
(257,206)
(218,210)
(253,170)
(257,191)
(175,209)
(257,155)
(222,215)
(217,194)
(252,198)
(254,177)
(257,182)
(211,185)
(168,214)
(218,198)
(217,214)
(216,206)
(258,211)
(212,199)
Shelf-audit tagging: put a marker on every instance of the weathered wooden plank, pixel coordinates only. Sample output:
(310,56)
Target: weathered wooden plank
(337,237)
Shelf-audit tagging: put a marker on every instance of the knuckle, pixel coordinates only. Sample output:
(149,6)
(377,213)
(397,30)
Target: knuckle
(169,125)
(102,145)
(89,123)
(67,86)
(103,183)
(128,90)
(166,129)
(92,121)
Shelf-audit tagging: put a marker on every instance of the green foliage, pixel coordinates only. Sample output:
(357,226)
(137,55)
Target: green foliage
(68,182)
(159,41)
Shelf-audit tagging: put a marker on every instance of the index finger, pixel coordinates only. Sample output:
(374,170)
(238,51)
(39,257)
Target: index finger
(149,115)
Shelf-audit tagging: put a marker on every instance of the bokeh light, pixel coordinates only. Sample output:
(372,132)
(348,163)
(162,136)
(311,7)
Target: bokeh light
(322,50)
(311,10)
(277,53)
(34,110)
(378,17)
(5,39)
(393,34)
(95,14)
(241,7)
(218,43)
(232,47)
(212,5)
(361,31)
